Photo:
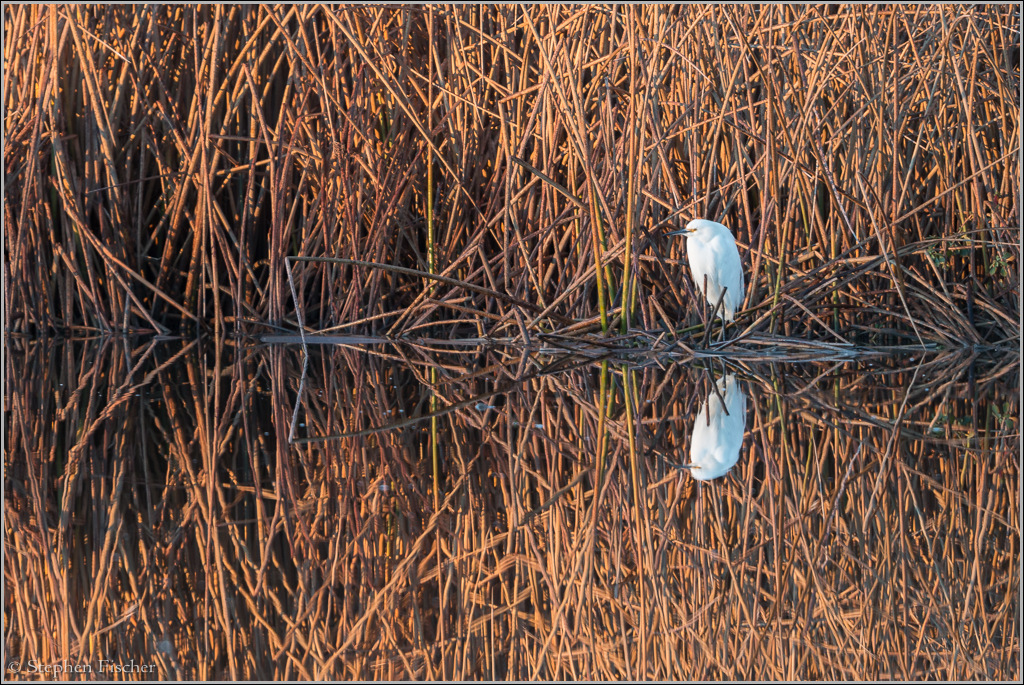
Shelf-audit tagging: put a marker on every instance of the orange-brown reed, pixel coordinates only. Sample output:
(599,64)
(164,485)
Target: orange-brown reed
(162,161)
(154,511)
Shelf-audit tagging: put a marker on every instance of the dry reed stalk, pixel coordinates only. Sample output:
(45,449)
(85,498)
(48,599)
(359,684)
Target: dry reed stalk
(163,161)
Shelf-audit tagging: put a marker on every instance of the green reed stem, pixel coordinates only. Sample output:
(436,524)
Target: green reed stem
(602,304)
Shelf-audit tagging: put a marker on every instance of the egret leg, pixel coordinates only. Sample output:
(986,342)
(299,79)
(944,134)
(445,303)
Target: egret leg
(721,303)
(718,393)
(703,301)
(714,386)
(707,321)
(714,314)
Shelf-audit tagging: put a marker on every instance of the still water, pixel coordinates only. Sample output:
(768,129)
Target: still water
(418,511)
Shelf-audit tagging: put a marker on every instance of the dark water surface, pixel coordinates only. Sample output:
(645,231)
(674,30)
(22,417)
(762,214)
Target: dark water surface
(494,513)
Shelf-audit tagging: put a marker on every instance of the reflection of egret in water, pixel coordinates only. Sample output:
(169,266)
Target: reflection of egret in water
(718,431)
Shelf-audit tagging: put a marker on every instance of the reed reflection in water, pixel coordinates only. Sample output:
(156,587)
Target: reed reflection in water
(156,510)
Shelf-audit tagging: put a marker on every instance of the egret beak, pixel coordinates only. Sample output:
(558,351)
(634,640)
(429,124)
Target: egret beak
(681,231)
(687,467)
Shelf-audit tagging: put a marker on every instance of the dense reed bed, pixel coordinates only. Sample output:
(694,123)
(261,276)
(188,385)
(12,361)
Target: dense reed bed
(161,162)
(155,511)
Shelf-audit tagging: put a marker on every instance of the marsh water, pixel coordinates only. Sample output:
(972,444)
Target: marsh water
(423,510)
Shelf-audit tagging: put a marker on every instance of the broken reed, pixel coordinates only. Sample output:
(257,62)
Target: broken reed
(162,161)
(869,530)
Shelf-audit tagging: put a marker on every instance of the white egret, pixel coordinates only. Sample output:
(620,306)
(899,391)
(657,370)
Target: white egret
(711,251)
(718,431)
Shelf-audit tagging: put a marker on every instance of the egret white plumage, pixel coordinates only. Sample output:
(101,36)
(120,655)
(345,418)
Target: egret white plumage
(718,431)
(714,259)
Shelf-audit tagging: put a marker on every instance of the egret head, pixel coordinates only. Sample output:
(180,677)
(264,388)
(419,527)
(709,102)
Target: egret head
(701,229)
